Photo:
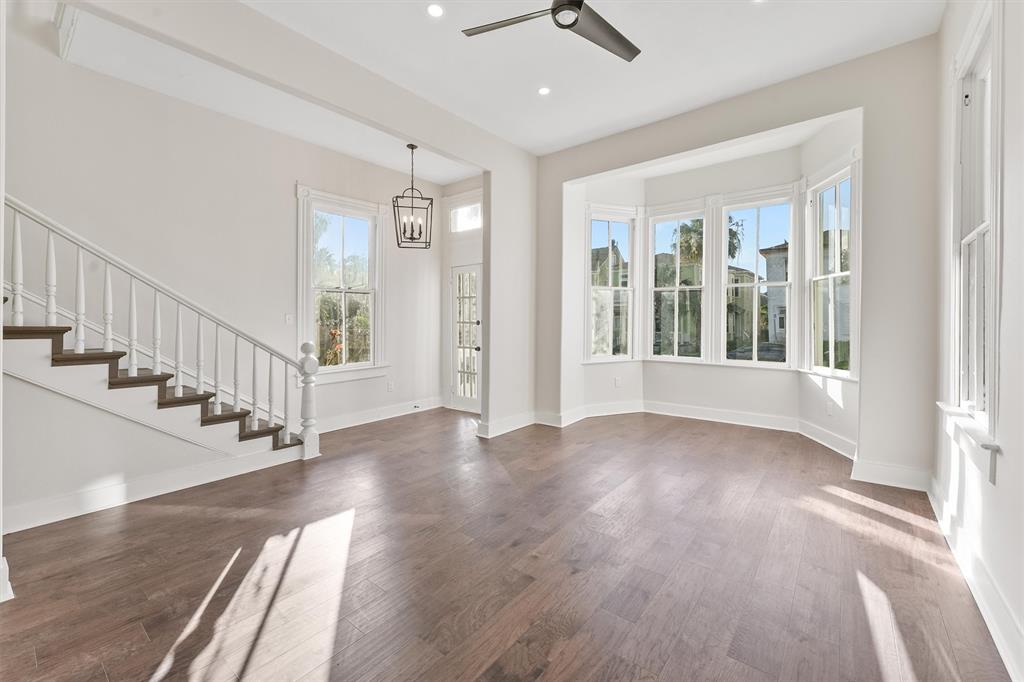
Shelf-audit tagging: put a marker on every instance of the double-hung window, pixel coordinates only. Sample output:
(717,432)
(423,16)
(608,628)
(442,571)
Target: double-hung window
(677,272)
(830,274)
(339,285)
(976,248)
(756,244)
(611,287)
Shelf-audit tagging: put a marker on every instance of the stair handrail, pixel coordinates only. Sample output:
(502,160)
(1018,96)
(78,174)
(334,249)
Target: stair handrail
(307,365)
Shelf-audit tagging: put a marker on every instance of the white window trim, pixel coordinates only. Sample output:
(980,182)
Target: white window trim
(309,200)
(631,215)
(771,196)
(987,21)
(811,231)
(659,214)
(460,200)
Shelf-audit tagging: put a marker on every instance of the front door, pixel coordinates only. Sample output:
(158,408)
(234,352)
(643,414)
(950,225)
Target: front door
(467,337)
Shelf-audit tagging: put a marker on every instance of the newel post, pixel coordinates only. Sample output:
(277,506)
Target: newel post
(309,365)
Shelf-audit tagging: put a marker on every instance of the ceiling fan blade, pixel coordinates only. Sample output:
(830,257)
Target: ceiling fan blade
(477,30)
(594,28)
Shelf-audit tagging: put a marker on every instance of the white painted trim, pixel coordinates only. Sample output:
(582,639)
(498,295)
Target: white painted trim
(841,444)
(6,591)
(895,475)
(66,18)
(505,425)
(344,421)
(1006,630)
(58,508)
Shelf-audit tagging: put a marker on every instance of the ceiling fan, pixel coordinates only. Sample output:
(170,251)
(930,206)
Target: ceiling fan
(575,16)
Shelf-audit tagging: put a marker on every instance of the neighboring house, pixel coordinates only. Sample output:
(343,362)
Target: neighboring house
(776,270)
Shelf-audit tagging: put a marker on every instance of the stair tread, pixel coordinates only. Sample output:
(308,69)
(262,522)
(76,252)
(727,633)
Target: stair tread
(263,428)
(94,353)
(186,392)
(29,330)
(189,396)
(143,377)
(295,440)
(227,414)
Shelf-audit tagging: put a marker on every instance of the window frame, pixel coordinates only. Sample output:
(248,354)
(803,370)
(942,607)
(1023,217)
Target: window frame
(693,210)
(456,201)
(629,215)
(786,194)
(309,201)
(982,44)
(814,274)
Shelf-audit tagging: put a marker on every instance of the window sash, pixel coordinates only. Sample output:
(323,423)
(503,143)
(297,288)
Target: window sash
(975,262)
(834,271)
(755,306)
(608,286)
(677,288)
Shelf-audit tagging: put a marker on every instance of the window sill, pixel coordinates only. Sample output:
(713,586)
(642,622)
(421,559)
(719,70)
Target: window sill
(962,425)
(846,377)
(608,361)
(346,374)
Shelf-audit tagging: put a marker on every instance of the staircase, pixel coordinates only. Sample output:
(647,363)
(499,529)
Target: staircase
(118,356)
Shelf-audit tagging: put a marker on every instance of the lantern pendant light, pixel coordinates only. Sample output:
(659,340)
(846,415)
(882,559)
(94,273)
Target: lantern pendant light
(414,212)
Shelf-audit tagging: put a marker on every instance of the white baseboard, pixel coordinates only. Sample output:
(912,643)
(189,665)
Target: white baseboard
(344,421)
(761,420)
(841,444)
(896,475)
(6,592)
(1006,629)
(58,508)
(498,427)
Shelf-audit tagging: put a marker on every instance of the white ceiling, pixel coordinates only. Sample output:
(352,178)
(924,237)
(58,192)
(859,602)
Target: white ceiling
(695,52)
(116,51)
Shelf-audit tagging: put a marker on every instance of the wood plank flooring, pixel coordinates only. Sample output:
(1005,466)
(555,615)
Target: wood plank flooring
(635,547)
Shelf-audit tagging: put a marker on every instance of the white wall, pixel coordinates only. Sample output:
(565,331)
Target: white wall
(983,517)
(898,90)
(239,38)
(205,204)
(752,172)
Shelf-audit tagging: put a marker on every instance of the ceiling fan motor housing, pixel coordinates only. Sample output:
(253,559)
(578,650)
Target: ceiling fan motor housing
(565,13)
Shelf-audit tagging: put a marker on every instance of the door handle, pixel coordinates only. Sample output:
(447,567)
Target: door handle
(477,349)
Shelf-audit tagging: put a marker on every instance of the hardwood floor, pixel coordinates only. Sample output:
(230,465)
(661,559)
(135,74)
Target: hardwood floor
(634,547)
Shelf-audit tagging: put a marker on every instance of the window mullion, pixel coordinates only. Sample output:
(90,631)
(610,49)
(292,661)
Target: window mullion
(832,323)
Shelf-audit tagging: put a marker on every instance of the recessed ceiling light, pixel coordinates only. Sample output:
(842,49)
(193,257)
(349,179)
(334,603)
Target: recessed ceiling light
(544,91)
(435,10)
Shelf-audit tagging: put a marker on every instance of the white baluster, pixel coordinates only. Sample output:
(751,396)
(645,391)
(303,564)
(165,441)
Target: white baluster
(51,281)
(17,275)
(80,305)
(236,378)
(310,437)
(270,390)
(179,349)
(216,369)
(200,360)
(108,311)
(133,331)
(158,365)
(286,436)
(255,391)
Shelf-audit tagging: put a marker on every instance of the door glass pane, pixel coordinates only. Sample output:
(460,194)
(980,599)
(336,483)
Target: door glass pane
(773,243)
(820,335)
(739,321)
(357,327)
(599,252)
(691,252)
(356,262)
(689,323)
(771,325)
(664,323)
(619,257)
(665,253)
(842,317)
(326,250)
(827,221)
(601,334)
(329,340)
(844,225)
(741,233)
(620,323)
